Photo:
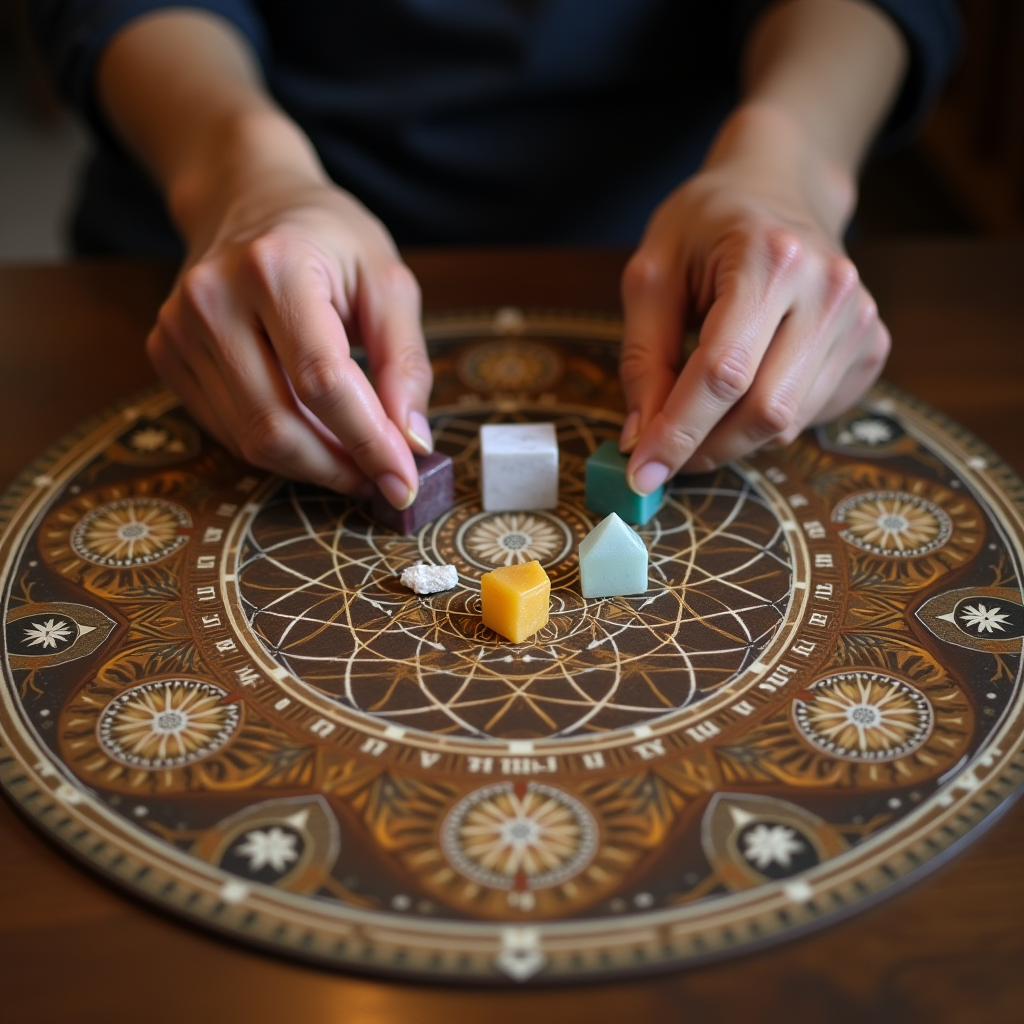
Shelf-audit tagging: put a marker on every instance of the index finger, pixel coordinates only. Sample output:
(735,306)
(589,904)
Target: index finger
(735,335)
(294,303)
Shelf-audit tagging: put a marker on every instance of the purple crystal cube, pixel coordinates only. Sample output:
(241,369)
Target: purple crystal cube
(436,496)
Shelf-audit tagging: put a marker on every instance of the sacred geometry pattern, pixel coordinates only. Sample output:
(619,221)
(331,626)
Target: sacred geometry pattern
(493,539)
(310,582)
(217,692)
(893,524)
(134,531)
(509,837)
(863,716)
(166,724)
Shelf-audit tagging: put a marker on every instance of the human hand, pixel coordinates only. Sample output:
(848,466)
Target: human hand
(751,246)
(256,337)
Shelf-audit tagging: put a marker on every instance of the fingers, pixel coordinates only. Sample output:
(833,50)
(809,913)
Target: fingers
(234,386)
(755,290)
(654,303)
(809,356)
(389,318)
(294,292)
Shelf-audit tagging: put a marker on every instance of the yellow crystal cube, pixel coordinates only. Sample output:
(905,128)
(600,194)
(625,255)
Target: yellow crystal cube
(515,600)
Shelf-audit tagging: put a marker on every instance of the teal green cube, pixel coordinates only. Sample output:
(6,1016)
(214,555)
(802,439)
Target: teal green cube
(607,490)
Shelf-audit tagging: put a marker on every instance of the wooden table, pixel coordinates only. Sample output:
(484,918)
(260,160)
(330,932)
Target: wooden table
(951,948)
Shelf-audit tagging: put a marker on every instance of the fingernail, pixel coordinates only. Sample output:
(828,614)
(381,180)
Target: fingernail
(649,477)
(418,430)
(630,432)
(399,494)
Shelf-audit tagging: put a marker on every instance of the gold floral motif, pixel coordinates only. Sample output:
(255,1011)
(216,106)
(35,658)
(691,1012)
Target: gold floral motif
(893,524)
(531,837)
(130,532)
(168,723)
(864,716)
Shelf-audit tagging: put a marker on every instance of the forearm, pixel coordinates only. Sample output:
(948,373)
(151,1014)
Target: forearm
(819,78)
(182,90)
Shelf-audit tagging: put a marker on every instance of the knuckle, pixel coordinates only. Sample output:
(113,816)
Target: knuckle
(774,415)
(728,376)
(784,251)
(414,365)
(364,450)
(317,377)
(200,288)
(682,438)
(867,312)
(644,273)
(841,280)
(400,282)
(263,258)
(269,438)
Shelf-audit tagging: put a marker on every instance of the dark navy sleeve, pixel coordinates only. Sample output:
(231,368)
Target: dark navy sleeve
(933,33)
(71,35)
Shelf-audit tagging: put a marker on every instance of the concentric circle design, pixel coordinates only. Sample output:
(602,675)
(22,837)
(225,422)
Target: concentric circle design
(167,724)
(864,716)
(516,365)
(893,524)
(527,836)
(131,532)
(267,733)
(493,539)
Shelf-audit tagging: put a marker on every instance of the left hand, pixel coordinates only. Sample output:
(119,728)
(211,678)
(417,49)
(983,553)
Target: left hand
(751,246)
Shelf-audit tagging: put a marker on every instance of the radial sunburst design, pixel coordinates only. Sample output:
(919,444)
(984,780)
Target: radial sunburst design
(528,837)
(132,531)
(511,538)
(864,716)
(893,523)
(167,723)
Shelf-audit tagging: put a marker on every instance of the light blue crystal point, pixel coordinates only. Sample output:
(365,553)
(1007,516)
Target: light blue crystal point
(613,560)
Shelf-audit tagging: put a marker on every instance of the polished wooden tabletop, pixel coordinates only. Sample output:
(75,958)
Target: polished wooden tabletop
(950,948)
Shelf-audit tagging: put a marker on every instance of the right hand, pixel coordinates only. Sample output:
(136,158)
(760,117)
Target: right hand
(256,339)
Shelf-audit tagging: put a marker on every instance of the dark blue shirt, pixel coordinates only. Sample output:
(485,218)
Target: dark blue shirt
(471,121)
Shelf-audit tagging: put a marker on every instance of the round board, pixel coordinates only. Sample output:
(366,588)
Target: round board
(217,693)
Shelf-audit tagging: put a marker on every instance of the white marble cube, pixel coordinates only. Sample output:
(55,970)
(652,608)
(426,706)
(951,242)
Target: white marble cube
(518,466)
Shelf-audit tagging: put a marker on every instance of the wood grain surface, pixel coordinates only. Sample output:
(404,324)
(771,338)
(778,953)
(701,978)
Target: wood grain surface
(949,949)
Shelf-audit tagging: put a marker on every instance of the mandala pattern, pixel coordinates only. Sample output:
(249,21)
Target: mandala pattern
(864,716)
(722,588)
(893,524)
(527,837)
(515,366)
(216,690)
(510,538)
(131,532)
(167,724)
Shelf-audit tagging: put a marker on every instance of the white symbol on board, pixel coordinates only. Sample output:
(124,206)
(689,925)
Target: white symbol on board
(149,439)
(274,847)
(871,431)
(983,619)
(47,634)
(771,844)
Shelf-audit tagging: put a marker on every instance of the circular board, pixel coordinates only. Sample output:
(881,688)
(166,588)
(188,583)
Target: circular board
(217,693)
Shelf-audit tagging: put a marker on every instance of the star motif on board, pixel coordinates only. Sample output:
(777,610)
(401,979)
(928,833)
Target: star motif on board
(771,844)
(149,439)
(870,431)
(273,847)
(47,634)
(984,619)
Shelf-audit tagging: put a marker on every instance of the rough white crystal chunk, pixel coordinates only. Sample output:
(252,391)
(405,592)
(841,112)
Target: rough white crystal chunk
(519,466)
(430,579)
(613,560)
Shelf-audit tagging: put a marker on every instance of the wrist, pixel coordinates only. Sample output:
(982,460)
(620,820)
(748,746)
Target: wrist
(252,155)
(781,160)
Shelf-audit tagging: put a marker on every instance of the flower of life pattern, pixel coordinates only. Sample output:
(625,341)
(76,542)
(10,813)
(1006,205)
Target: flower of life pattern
(318,582)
